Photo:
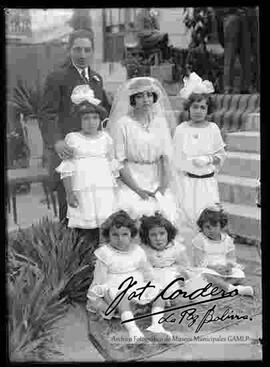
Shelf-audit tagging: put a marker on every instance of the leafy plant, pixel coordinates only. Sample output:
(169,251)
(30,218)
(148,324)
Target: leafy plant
(200,23)
(135,65)
(27,99)
(47,268)
(58,254)
(197,58)
(81,20)
(208,65)
(34,309)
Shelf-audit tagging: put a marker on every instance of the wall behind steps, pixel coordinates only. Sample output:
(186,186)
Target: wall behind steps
(171,22)
(31,63)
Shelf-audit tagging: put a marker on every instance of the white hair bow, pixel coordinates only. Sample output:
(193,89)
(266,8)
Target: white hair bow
(83,93)
(194,84)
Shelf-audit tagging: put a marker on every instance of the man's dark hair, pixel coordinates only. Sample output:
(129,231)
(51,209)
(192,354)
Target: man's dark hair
(80,33)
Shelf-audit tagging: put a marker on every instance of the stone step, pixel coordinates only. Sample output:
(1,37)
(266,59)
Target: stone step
(242,164)
(243,141)
(244,220)
(253,122)
(237,190)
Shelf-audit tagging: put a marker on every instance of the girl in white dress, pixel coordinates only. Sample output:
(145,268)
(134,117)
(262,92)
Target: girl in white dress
(141,124)
(167,255)
(214,252)
(89,176)
(117,260)
(198,152)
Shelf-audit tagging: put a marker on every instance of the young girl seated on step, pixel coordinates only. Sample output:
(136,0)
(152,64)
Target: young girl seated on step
(167,255)
(214,252)
(117,260)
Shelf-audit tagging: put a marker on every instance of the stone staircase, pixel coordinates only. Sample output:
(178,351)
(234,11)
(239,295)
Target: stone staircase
(238,179)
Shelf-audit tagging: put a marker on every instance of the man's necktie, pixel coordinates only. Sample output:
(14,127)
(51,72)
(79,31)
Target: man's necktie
(83,74)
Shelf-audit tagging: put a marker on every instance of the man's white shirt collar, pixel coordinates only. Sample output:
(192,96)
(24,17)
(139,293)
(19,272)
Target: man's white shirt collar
(80,71)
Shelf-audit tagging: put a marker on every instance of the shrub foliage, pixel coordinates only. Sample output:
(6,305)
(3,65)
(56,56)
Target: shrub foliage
(46,270)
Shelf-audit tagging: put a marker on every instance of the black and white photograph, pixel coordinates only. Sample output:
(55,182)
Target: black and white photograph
(133,184)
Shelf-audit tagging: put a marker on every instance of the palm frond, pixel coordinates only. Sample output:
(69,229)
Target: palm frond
(56,251)
(34,309)
(46,270)
(22,89)
(27,98)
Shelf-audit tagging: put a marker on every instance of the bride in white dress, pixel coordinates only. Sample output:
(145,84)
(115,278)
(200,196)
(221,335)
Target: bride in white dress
(141,124)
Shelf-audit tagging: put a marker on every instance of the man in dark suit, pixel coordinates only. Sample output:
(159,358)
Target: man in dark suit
(238,34)
(56,117)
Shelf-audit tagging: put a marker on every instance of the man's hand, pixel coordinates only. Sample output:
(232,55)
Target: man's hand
(72,200)
(63,150)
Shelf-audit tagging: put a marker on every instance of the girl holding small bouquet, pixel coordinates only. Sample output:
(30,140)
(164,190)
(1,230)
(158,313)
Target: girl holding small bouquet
(198,150)
(214,252)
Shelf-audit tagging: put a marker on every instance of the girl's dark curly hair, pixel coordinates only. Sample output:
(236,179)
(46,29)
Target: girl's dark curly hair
(198,97)
(132,98)
(118,220)
(156,220)
(213,215)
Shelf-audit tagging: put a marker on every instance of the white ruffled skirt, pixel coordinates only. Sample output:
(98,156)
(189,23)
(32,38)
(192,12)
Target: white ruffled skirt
(95,206)
(110,289)
(147,177)
(94,186)
(164,276)
(114,282)
(236,272)
(197,193)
